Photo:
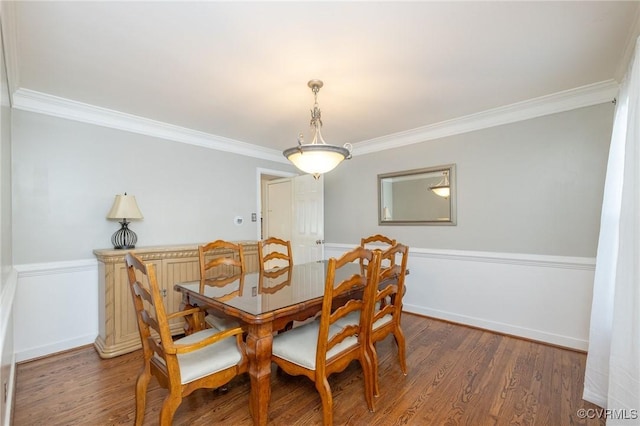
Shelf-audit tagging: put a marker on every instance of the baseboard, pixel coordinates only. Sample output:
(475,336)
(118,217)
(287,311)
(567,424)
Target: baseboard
(502,328)
(53,348)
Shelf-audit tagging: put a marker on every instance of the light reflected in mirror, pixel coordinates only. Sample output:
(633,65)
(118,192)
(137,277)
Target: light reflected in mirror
(418,197)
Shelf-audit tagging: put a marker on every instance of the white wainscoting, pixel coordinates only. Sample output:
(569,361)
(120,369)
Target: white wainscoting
(56,307)
(543,298)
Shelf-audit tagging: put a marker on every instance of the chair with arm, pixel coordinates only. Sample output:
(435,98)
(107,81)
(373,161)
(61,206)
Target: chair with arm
(320,348)
(274,253)
(208,358)
(220,263)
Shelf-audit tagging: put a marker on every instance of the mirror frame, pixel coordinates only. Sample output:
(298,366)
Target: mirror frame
(451,168)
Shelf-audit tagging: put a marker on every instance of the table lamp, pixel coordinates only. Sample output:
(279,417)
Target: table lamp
(124,207)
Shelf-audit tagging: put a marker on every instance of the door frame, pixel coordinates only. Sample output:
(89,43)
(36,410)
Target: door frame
(270,172)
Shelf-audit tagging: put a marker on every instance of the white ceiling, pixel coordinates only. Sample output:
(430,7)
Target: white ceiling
(239,70)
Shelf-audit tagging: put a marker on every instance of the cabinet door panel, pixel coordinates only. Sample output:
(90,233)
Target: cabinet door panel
(177,271)
(125,322)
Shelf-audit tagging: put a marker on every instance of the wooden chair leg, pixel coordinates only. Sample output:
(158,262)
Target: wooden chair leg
(369,380)
(402,355)
(141,395)
(322,385)
(169,407)
(374,370)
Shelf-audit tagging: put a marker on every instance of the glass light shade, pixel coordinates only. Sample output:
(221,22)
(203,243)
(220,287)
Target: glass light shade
(443,191)
(124,207)
(316,158)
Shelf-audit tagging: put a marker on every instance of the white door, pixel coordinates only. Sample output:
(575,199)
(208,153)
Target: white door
(279,208)
(307,236)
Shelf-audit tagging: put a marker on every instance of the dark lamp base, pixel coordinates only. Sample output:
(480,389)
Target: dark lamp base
(124,238)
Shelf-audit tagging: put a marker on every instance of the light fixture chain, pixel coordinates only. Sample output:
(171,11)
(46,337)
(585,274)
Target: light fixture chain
(316,116)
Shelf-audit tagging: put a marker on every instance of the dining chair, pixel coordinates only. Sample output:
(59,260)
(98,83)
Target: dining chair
(208,358)
(274,253)
(323,347)
(220,261)
(387,310)
(377,242)
(387,315)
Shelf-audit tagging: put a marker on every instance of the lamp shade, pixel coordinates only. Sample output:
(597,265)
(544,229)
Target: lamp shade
(316,158)
(124,207)
(443,191)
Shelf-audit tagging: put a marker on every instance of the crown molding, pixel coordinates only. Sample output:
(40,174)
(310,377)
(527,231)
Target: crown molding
(593,94)
(579,97)
(33,101)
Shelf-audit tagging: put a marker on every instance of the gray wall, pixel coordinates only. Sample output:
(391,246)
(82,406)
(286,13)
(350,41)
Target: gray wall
(530,187)
(67,173)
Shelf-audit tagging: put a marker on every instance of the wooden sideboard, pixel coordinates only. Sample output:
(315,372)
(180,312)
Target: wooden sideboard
(118,327)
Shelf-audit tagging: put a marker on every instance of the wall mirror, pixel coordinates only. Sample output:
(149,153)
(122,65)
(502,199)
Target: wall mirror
(418,197)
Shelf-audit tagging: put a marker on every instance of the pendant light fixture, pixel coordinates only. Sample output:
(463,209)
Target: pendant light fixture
(443,188)
(318,157)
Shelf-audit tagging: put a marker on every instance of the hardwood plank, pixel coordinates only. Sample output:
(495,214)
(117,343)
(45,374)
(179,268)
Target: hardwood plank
(457,375)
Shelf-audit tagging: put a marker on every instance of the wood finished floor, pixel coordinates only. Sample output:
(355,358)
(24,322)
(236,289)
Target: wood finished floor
(457,376)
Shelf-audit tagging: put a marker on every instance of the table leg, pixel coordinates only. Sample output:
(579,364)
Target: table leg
(259,344)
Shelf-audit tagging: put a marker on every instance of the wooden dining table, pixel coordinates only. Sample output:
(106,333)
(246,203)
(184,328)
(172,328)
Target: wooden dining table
(263,303)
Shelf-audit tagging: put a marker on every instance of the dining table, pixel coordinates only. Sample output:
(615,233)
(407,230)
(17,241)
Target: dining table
(265,302)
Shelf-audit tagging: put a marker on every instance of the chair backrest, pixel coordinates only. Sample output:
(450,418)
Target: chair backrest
(150,311)
(274,252)
(220,263)
(378,242)
(390,296)
(337,303)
